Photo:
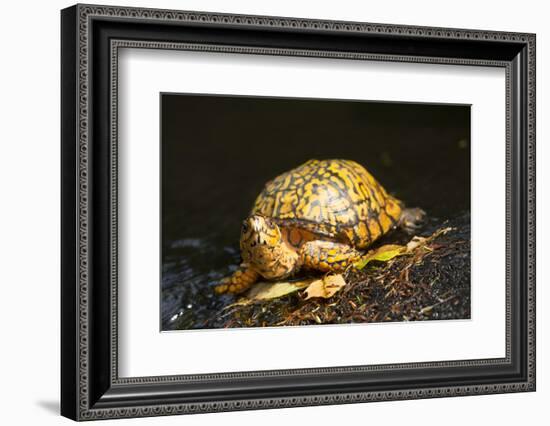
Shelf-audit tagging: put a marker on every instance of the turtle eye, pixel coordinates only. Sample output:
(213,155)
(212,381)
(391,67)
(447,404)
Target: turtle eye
(244,227)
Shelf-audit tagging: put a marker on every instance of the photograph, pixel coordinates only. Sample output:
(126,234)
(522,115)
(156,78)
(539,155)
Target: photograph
(264,209)
(279,211)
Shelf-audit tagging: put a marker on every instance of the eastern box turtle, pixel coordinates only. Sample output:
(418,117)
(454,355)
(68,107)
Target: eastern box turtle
(318,216)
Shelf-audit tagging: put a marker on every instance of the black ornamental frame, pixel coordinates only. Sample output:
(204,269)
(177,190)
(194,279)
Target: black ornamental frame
(91,37)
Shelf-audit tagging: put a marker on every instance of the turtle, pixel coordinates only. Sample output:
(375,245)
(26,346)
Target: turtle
(319,216)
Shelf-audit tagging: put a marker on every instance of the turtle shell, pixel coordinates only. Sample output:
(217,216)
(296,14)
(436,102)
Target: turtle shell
(335,199)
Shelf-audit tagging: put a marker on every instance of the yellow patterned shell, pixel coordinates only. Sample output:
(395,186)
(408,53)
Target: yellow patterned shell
(335,199)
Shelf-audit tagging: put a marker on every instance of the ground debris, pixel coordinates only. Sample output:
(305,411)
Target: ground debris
(431,282)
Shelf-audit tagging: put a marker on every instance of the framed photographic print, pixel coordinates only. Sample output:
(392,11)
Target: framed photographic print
(263,212)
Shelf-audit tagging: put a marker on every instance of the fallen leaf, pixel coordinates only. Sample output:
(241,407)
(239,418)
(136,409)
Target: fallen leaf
(325,287)
(274,290)
(415,243)
(381,254)
(389,251)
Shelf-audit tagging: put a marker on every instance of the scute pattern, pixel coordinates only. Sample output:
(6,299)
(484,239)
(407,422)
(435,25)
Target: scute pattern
(338,199)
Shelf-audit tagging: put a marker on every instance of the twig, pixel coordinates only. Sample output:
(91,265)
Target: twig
(429,308)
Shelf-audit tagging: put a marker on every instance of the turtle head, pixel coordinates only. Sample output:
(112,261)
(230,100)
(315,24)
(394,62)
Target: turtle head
(412,219)
(264,249)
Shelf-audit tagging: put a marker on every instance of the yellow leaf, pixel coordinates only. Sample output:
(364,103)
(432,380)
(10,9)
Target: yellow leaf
(389,251)
(325,287)
(381,254)
(273,290)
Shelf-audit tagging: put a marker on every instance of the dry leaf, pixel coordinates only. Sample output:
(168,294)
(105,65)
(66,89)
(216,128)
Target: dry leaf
(415,243)
(381,254)
(325,287)
(273,290)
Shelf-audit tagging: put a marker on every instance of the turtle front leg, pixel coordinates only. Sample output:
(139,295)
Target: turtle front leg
(327,256)
(241,280)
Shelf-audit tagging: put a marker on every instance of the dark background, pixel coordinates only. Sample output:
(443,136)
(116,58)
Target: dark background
(219,151)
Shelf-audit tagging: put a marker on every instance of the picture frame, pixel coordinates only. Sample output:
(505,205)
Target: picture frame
(91,387)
